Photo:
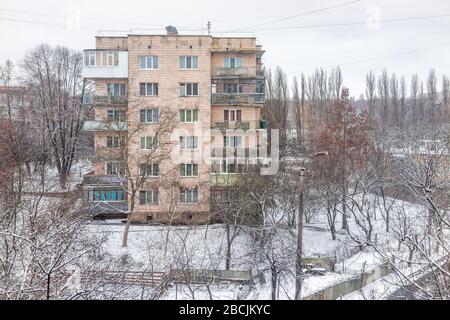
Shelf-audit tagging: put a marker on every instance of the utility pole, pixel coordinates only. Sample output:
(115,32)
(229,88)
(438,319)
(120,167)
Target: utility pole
(298,260)
(301,196)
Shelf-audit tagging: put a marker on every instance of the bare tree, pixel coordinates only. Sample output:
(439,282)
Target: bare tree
(370,92)
(54,78)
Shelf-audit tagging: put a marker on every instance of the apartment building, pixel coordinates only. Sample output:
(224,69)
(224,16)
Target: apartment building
(213,90)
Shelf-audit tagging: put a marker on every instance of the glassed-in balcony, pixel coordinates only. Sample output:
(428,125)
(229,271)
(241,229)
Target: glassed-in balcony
(105,194)
(238,91)
(98,64)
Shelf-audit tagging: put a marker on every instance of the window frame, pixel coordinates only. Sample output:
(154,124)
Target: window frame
(234,140)
(146,85)
(122,89)
(152,113)
(183,87)
(228,65)
(193,113)
(115,115)
(185,142)
(193,170)
(146,60)
(188,194)
(149,167)
(144,194)
(185,60)
(144,141)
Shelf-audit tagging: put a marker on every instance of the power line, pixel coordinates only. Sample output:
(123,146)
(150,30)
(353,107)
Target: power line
(297,15)
(375,58)
(55,15)
(355,23)
(83,26)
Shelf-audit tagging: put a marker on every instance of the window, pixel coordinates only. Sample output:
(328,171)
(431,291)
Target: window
(232,62)
(189,115)
(188,62)
(189,170)
(188,142)
(149,169)
(89,58)
(112,142)
(109,195)
(233,88)
(188,196)
(114,168)
(232,115)
(101,58)
(116,89)
(148,89)
(188,89)
(148,197)
(232,141)
(149,115)
(116,115)
(149,143)
(260,86)
(148,62)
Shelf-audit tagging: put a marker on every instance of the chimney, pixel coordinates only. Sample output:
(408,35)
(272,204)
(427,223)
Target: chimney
(171,31)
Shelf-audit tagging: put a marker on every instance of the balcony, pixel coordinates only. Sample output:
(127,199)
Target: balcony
(237,98)
(235,72)
(237,152)
(232,125)
(105,180)
(103,64)
(104,126)
(110,100)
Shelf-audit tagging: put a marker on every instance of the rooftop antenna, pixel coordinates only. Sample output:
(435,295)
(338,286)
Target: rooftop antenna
(209,28)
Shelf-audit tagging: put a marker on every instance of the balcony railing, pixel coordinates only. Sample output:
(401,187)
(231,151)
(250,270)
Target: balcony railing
(110,100)
(105,180)
(237,98)
(104,126)
(238,152)
(229,72)
(105,64)
(243,125)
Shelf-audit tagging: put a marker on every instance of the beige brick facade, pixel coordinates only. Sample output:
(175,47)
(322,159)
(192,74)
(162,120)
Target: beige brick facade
(211,53)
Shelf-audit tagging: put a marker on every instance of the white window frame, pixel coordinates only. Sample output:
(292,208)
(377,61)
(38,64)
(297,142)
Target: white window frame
(184,89)
(237,63)
(149,62)
(193,168)
(115,142)
(234,112)
(115,165)
(183,62)
(152,195)
(232,141)
(188,196)
(188,142)
(191,112)
(116,115)
(148,143)
(149,88)
(108,59)
(150,167)
(122,89)
(151,113)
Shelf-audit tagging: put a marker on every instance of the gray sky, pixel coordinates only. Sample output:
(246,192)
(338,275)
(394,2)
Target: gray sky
(403,47)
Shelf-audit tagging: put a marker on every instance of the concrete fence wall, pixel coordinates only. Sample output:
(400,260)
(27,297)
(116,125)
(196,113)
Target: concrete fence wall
(342,288)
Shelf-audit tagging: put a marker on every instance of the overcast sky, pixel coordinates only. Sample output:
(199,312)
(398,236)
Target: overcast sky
(299,42)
